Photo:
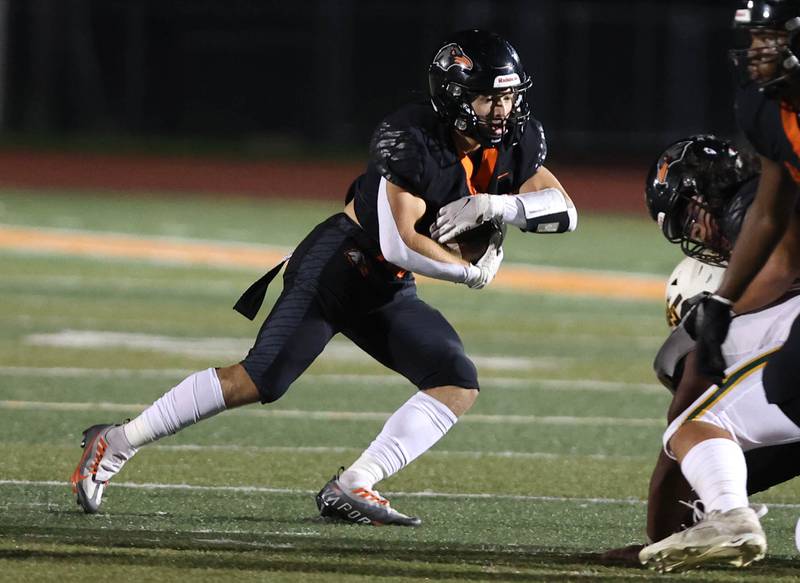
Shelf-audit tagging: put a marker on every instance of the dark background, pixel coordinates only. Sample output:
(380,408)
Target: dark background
(312,77)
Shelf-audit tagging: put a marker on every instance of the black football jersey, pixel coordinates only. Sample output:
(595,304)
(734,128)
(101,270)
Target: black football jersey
(771,127)
(413,149)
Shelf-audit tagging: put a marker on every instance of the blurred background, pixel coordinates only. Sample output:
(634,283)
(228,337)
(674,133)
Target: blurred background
(308,80)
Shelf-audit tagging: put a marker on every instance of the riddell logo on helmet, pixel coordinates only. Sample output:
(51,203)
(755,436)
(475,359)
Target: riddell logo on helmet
(506,80)
(452,55)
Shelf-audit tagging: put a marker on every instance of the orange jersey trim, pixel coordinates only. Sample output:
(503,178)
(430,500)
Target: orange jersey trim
(792,131)
(480,181)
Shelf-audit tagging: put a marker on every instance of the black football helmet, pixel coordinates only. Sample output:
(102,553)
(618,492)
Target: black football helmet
(472,63)
(690,184)
(777,22)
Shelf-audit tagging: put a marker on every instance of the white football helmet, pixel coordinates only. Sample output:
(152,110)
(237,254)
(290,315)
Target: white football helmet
(689,278)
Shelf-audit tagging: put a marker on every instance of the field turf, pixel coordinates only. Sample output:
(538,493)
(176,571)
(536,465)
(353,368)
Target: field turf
(548,469)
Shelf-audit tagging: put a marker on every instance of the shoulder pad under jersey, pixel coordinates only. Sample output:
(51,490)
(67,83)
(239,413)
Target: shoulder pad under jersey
(533,151)
(398,156)
(668,363)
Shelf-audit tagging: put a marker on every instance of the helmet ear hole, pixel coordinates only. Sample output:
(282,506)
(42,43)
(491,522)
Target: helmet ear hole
(454,90)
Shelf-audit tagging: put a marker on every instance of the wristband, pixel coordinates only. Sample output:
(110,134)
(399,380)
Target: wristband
(721,300)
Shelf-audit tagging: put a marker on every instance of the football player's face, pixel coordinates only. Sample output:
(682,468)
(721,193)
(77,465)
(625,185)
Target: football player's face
(702,226)
(493,110)
(766,48)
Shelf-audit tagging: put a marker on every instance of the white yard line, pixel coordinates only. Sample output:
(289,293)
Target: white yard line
(532,455)
(297,491)
(340,350)
(488,382)
(341,415)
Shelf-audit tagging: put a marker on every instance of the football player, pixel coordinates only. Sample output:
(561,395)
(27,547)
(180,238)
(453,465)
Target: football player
(474,142)
(768,102)
(698,192)
(728,419)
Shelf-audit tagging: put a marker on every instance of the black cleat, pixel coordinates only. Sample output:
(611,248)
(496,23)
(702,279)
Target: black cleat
(360,506)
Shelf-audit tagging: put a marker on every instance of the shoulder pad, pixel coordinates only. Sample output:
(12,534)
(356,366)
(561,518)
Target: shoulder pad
(530,151)
(541,142)
(398,156)
(668,363)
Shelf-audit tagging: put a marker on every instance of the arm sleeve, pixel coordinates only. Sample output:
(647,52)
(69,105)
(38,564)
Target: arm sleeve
(396,251)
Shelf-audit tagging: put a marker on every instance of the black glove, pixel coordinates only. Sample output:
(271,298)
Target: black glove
(708,324)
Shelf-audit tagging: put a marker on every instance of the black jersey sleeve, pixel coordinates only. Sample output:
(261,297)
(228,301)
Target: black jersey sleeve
(532,151)
(399,155)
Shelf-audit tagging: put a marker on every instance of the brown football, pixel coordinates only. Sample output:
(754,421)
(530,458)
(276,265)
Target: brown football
(471,245)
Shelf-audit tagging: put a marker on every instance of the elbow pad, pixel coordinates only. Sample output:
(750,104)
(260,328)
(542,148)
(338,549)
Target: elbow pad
(548,211)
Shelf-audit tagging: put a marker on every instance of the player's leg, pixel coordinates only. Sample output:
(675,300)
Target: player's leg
(707,440)
(292,336)
(201,395)
(412,338)
(415,340)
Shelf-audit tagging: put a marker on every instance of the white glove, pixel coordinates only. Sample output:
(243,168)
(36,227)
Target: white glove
(482,273)
(465,214)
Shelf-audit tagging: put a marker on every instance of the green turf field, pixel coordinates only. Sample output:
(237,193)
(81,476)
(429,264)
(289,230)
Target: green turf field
(549,468)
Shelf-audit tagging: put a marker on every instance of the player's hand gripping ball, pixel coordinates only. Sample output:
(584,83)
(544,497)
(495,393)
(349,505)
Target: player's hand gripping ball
(473,244)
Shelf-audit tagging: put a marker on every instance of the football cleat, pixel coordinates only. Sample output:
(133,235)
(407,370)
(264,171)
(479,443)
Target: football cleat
(99,463)
(734,537)
(359,505)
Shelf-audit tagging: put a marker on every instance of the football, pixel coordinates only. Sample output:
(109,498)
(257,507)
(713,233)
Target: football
(472,245)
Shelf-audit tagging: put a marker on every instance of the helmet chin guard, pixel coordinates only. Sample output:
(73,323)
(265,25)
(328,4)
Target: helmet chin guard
(472,63)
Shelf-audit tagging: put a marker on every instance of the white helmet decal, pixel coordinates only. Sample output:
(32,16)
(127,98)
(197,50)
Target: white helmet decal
(511,80)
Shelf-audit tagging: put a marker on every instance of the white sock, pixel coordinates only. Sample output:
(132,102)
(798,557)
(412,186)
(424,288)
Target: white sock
(196,397)
(717,471)
(411,431)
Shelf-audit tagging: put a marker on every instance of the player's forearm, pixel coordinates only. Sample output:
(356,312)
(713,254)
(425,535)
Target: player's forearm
(430,249)
(426,257)
(766,222)
(774,279)
(760,234)
(404,247)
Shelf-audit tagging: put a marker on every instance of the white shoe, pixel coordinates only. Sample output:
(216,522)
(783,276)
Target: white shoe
(733,537)
(100,461)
